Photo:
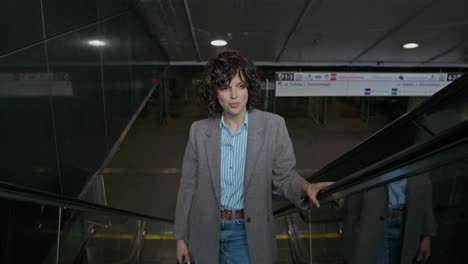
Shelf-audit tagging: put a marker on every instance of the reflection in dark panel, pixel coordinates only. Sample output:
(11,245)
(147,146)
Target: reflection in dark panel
(450,242)
(29,233)
(79,116)
(62,16)
(143,78)
(422,217)
(450,183)
(108,8)
(447,114)
(429,212)
(389,221)
(20,24)
(116,72)
(450,197)
(27,153)
(145,47)
(133,3)
(98,238)
(167,22)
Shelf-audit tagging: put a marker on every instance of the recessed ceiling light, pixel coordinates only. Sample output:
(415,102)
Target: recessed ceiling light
(412,45)
(96,43)
(218,42)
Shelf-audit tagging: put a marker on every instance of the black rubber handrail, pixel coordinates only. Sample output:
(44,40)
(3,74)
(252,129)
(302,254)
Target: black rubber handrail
(23,194)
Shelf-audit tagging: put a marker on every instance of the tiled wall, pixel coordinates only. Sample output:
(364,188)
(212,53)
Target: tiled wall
(64,102)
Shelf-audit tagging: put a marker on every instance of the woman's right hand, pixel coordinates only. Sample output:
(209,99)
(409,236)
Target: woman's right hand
(182,251)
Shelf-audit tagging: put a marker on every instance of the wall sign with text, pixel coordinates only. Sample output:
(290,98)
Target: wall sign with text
(360,84)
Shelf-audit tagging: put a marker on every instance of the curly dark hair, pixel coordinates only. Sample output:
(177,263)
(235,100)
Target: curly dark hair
(219,73)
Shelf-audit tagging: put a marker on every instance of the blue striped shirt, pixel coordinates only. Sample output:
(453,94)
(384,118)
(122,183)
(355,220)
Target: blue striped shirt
(397,193)
(233,154)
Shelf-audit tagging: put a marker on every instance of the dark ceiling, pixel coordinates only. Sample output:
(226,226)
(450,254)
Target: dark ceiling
(313,32)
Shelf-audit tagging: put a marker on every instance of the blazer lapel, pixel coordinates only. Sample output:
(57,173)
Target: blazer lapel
(213,153)
(254,145)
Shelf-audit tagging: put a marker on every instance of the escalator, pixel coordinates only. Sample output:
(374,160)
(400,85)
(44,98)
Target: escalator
(430,146)
(40,227)
(431,140)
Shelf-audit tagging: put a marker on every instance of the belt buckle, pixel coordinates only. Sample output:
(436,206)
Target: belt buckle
(397,211)
(230,216)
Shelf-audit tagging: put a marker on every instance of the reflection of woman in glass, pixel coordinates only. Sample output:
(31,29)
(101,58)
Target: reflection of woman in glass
(390,224)
(394,223)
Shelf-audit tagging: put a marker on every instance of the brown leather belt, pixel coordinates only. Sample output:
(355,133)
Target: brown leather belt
(396,212)
(227,214)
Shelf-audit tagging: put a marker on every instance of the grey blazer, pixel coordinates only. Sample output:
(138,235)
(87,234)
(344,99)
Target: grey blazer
(270,163)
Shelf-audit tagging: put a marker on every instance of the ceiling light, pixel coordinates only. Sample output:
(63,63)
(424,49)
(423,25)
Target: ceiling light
(412,45)
(96,43)
(218,42)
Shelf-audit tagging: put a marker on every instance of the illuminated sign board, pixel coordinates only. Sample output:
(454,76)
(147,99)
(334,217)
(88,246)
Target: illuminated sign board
(360,84)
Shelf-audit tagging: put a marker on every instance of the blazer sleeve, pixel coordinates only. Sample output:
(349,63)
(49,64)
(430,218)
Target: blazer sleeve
(187,188)
(285,178)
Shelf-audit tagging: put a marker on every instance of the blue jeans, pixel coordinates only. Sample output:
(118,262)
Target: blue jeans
(390,251)
(233,247)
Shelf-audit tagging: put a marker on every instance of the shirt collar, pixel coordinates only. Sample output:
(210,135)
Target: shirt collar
(245,124)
